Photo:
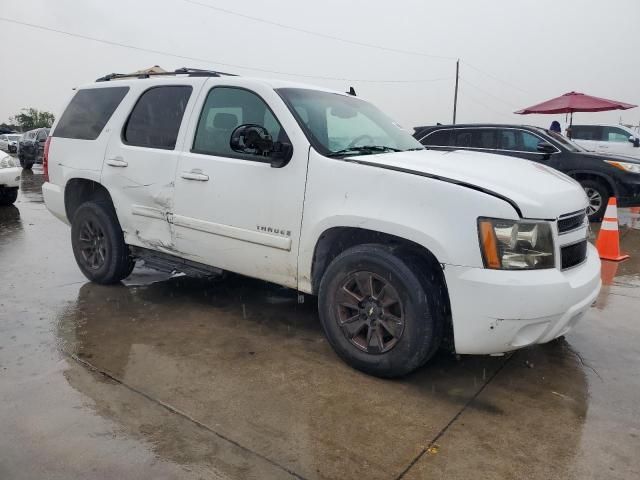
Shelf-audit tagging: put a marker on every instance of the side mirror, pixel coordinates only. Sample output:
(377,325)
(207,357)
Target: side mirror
(547,148)
(254,139)
(635,141)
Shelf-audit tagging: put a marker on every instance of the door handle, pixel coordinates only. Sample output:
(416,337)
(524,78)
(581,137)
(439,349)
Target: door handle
(116,162)
(195,175)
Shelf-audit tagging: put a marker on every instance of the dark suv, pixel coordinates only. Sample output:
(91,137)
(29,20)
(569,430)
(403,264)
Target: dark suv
(600,175)
(31,147)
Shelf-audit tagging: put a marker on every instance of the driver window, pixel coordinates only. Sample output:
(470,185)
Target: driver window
(612,134)
(225,109)
(529,142)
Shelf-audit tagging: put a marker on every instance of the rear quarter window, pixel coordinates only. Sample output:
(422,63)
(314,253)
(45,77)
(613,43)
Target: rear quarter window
(439,138)
(88,112)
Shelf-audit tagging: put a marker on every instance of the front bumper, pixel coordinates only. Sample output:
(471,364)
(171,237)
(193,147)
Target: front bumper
(496,311)
(10,177)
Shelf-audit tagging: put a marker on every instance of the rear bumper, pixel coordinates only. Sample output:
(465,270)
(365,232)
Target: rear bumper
(10,177)
(497,311)
(54,200)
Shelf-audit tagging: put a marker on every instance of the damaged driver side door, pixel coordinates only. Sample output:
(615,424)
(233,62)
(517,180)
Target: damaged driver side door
(140,164)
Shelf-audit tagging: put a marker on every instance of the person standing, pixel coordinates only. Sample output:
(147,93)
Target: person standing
(555,127)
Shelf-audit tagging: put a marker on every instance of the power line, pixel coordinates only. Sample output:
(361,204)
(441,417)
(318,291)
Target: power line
(349,41)
(318,34)
(490,75)
(209,61)
(482,104)
(485,92)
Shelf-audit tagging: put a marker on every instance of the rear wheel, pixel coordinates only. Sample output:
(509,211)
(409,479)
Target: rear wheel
(98,244)
(8,196)
(380,314)
(598,196)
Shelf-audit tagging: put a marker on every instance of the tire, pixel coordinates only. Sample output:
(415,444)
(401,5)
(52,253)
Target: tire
(419,307)
(8,196)
(98,244)
(596,192)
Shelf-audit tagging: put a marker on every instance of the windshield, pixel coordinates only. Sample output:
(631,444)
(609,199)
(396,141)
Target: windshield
(565,142)
(341,125)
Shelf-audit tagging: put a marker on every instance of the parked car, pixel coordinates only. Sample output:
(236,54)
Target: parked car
(601,176)
(9,142)
(9,179)
(616,139)
(31,147)
(321,192)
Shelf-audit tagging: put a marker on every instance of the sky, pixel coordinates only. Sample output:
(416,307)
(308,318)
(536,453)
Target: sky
(399,55)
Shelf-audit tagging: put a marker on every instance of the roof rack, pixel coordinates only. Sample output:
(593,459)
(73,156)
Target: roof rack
(191,72)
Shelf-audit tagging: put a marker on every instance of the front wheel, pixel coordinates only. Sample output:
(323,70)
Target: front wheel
(8,196)
(381,315)
(98,244)
(598,196)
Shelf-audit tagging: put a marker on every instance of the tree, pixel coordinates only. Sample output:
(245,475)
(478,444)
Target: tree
(30,118)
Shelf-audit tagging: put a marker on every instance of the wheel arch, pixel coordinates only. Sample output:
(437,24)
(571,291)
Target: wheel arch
(596,176)
(80,190)
(336,240)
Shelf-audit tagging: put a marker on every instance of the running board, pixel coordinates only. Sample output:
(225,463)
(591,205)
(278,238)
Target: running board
(167,263)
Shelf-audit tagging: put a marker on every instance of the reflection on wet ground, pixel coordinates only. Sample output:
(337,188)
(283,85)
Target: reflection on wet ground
(31,184)
(173,377)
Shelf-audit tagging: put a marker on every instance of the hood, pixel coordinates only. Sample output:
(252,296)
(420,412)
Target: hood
(538,191)
(609,156)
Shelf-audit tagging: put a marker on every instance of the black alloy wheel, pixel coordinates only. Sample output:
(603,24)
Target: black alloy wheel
(370,312)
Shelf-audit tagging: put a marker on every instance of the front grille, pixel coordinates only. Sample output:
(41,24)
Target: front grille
(573,255)
(571,221)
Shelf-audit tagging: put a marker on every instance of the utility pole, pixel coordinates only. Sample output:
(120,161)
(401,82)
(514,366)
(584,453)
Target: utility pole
(455,95)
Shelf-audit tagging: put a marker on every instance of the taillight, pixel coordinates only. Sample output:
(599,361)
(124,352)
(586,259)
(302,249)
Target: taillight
(45,159)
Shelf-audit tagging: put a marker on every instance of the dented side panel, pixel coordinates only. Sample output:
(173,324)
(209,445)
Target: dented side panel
(141,182)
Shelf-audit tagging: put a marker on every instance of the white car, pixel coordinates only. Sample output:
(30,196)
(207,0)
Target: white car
(614,139)
(9,142)
(320,191)
(9,179)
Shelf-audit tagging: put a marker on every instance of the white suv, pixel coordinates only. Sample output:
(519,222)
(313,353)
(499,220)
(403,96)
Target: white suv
(321,192)
(614,139)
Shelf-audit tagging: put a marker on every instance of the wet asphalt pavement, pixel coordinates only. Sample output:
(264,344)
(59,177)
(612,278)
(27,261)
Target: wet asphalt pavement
(165,378)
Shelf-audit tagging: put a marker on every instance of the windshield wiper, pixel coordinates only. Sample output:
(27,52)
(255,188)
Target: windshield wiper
(364,150)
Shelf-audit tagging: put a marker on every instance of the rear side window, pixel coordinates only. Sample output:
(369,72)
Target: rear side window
(586,132)
(88,112)
(463,138)
(439,138)
(156,117)
(474,138)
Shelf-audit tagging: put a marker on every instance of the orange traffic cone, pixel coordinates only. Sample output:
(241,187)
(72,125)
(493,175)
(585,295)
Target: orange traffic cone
(608,243)
(608,271)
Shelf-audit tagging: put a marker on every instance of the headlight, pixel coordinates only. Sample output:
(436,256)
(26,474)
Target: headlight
(626,166)
(515,245)
(7,162)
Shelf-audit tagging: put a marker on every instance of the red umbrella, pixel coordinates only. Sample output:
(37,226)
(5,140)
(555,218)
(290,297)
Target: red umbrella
(575,102)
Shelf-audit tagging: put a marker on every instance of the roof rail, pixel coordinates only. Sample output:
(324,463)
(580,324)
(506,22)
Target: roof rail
(191,72)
